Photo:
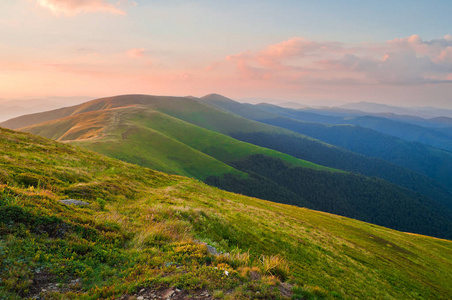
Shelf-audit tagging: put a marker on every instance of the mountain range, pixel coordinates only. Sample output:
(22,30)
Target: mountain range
(134,232)
(423,112)
(207,139)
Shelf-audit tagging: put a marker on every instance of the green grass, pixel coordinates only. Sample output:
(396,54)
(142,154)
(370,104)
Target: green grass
(144,235)
(142,135)
(219,146)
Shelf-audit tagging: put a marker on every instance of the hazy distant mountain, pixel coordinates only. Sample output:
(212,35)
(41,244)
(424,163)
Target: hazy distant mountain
(427,131)
(18,107)
(423,112)
(8,112)
(294,105)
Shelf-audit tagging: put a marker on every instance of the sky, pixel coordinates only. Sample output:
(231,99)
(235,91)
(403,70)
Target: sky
(311,52)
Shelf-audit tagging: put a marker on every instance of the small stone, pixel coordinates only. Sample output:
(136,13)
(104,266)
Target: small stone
(43,290)
(167,294)
(73,201)
(212,250)
(142,290)
(140,298)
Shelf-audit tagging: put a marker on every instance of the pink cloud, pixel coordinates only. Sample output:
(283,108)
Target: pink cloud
(136,52)
(73,7)
(403,61)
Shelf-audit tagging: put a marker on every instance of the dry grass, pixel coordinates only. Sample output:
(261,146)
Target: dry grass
(275,265)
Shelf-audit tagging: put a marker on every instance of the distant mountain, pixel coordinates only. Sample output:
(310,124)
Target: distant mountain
(424,112)
(13,108)
(403,130)
(434,163)
(8,112)
(430,123)
(187,136)
(294,105)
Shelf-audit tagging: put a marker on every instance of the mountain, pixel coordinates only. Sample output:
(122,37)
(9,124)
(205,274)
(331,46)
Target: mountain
(430,123)
(8,112)
(423,112)
(187,137)
(144,233)
(406,131)
(293,105)
(139,129)
(430,162)
(18,107)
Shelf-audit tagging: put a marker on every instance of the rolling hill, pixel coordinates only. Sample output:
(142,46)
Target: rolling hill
(184,136)
(143,231)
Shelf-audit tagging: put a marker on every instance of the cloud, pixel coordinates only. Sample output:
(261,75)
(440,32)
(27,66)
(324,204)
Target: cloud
(73,7)
(401,61)
(136,52)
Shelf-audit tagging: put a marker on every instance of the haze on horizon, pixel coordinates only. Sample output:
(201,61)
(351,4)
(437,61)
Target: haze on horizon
(325,52)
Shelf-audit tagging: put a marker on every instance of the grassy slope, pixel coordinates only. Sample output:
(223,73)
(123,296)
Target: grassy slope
(191,110)
(151,218)
(142,135)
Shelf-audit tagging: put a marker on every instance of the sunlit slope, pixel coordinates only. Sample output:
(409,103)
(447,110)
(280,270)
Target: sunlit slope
(142,135)
(151,219)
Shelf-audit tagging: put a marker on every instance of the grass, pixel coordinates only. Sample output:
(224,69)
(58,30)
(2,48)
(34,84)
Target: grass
(142,135)
(144,230)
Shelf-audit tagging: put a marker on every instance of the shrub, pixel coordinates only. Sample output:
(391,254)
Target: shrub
(275,265)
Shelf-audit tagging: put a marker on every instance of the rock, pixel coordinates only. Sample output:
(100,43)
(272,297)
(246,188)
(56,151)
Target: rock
(140,298)
(142,290)
(167,294)
(212,250)
(73,201)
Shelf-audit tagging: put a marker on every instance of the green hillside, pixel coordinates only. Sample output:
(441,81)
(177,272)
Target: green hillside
(141,234)
(142,135)
(173,135)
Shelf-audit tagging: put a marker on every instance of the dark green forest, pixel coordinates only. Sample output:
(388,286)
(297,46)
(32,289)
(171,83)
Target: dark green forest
(345,160)
(429,161)
(352,195)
